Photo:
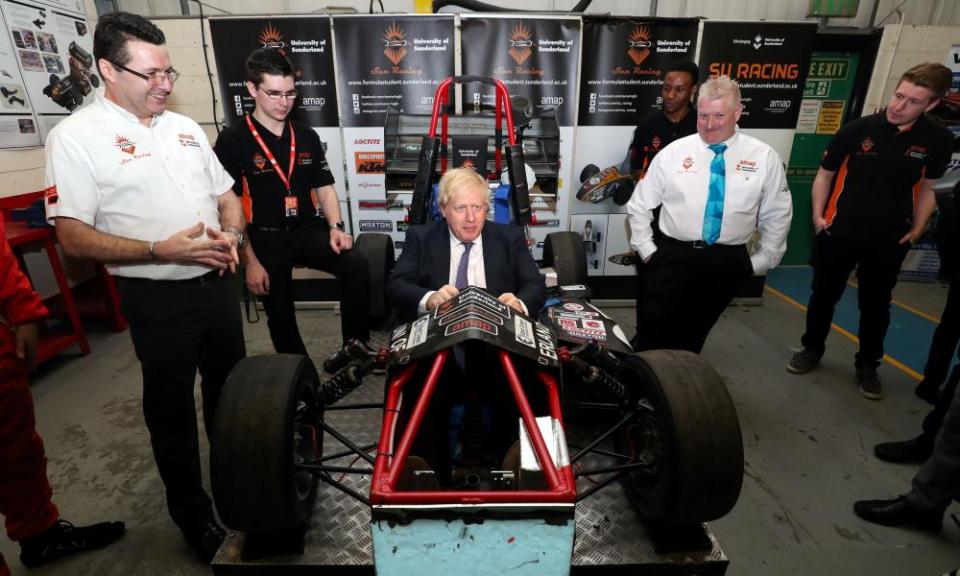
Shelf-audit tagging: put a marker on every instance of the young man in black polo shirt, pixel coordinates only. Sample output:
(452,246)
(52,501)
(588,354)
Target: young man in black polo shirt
(675,119)
(872,198)
(283,167)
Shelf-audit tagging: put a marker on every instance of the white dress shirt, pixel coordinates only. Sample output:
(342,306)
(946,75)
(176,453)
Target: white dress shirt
(476,275)
(756,197)
(106,169)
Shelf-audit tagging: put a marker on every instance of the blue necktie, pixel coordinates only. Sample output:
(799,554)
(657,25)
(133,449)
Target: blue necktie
(462,268)
(713,215)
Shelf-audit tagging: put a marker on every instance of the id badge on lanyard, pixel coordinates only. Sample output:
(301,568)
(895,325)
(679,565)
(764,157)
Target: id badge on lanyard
(290,202)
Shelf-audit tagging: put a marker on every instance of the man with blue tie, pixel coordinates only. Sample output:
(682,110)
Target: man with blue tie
(717,189)
(463,250)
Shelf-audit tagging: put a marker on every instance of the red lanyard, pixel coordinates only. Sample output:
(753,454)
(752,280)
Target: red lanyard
(273,161)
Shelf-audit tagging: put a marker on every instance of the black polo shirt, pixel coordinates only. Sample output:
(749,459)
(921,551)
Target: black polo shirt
(654,132)
(878,167)
(243,158)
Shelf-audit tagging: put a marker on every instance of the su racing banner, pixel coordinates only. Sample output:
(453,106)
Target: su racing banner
(304,40)
(769,60)
(623,63)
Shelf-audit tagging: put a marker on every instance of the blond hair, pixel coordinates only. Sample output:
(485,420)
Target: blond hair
(719,87)
(457,179)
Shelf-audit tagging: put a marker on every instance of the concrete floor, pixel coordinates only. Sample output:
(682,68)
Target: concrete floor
(808,444)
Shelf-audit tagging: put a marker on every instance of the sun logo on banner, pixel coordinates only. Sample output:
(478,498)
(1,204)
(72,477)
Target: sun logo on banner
(125,145)
(639,43)
(271,37)
(521,44)
(395,43)
(468,164)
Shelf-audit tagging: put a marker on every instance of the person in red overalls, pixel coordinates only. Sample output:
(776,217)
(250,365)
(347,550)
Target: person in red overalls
(31,516)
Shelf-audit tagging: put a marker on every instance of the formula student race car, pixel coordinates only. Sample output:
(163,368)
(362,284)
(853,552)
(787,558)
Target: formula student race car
(483,471)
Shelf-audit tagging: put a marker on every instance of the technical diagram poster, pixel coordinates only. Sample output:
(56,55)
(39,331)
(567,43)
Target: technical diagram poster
(53,46)
(18,126)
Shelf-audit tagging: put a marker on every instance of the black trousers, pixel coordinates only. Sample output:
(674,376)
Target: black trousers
(945,338)
(177,329)
(937,482)
(309,245)
(878,261)
(686,290)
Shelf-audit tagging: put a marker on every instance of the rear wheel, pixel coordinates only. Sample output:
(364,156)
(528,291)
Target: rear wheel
(266,425)
(687,432)
(377,250)
(563,251)
(589,171)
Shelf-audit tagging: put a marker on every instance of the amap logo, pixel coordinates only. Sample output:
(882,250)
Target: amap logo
(639,44)
(395,43)
(521,43)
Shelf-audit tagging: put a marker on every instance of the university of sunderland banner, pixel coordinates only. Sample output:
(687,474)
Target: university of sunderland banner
(536,57)
(306,41)
(621,77)
(385,63)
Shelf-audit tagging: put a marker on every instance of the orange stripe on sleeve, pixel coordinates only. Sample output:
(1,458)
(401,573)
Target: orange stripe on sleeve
(916,186)
(837,190)
(246,201)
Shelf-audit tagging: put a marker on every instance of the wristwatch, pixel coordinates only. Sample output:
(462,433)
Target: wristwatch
(241,237)
(340,226)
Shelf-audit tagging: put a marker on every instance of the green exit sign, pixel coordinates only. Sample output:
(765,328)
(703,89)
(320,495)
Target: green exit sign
(838,8)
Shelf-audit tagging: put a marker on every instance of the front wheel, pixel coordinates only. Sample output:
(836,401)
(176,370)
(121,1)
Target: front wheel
(265,426)
(688,434)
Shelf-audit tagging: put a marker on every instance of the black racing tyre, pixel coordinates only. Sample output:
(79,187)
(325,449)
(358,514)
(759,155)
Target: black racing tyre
(377,249)
(588,172)
(691,439)
(563,251)
(622,191)
(266,423)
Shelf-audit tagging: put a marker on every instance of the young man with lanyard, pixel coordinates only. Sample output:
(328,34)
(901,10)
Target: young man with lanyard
(872,198)
(282,166)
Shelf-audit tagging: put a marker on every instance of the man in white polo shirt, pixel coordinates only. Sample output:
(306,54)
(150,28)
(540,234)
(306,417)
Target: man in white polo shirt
(717,188)
(140,189)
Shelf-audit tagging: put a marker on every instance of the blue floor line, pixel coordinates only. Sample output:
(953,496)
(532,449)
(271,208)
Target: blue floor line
(908,338)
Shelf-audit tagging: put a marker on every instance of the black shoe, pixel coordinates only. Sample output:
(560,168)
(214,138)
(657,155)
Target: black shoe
(63,539)
(869,383)
(803,361)
(927,390)
(206,539)
(898,512)
(915,450)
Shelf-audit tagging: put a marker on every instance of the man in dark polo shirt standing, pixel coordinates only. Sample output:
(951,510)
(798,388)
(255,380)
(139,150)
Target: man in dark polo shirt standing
(282,165)
(872,198)
(675,119)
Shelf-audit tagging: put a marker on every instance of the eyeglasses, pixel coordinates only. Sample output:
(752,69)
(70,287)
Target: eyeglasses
(274,95)
(153,77)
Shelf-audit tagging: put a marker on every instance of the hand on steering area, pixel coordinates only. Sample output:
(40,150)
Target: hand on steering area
(512,301)
(445,293)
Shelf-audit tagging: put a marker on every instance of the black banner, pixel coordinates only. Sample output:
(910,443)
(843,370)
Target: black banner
(623,66)
(385,61)
(535,57)
(306,42)
(768,60)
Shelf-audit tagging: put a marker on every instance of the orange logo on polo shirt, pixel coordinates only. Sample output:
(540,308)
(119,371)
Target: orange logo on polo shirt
(126,145)
(866,145)
(259,161)
(656,142)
